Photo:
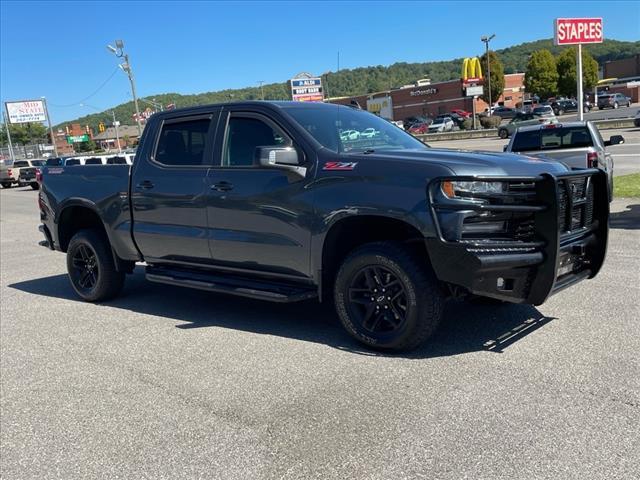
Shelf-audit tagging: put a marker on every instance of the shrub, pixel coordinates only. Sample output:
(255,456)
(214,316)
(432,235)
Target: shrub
(467,124)
(490,122)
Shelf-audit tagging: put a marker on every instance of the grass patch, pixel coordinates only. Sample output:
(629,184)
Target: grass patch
(627,185)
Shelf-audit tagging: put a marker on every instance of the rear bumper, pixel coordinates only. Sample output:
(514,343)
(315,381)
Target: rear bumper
(529,271)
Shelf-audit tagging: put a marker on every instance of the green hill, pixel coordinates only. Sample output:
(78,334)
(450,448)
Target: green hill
(365,79)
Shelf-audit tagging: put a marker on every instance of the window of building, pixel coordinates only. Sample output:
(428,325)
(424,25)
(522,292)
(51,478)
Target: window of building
(244,135)
(183,143)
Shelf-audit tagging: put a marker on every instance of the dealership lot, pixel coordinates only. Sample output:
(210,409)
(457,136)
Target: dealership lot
(172,383)
(626,157)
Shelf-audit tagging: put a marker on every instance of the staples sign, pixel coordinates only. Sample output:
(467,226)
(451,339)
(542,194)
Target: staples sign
(571,31)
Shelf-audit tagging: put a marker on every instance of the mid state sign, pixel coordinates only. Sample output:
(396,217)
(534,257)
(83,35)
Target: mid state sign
(573,31)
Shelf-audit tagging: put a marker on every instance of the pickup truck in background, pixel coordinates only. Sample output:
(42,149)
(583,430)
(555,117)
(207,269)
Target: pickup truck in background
(268,200)
(576,144)
(21,172)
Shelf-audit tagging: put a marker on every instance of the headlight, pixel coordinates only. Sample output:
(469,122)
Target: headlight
(453,189)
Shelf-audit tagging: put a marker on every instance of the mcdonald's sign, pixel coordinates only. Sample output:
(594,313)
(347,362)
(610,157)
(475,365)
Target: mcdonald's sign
(471,70)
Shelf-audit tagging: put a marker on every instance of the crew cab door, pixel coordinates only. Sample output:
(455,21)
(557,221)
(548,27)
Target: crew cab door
(169,190)
(259,217)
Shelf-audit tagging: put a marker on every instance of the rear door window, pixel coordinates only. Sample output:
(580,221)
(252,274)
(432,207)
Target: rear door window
(93,161)
(183,142)
(526,141)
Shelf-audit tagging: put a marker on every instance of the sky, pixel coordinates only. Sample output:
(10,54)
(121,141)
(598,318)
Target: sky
(58,49)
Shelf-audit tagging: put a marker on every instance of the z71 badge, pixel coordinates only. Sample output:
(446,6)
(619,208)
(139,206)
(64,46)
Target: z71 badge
(340,165)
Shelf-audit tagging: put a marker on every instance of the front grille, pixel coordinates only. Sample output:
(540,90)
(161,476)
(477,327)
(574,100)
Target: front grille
(575,204)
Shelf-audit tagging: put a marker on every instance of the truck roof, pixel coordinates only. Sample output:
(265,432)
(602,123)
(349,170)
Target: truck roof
(550,126)
(283,104)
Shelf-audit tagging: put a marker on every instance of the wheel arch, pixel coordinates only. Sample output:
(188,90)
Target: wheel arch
(79,214)
(350,232)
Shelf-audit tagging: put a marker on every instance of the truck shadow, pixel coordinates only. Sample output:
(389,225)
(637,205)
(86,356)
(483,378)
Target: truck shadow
(628,219)
(465,327)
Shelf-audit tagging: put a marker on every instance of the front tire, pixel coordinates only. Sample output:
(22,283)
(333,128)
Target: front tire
(503,134)
(91,267)
(387,298)
(615,105)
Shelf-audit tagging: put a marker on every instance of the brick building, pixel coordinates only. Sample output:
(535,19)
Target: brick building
(436,98)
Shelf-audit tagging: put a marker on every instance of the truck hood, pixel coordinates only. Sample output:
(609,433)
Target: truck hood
(467,162)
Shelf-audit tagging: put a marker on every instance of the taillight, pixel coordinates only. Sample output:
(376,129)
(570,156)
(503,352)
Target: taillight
(9,172)
(38,175)
(592,160)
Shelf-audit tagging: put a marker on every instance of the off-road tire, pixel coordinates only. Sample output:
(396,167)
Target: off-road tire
(423,299)
(108,281)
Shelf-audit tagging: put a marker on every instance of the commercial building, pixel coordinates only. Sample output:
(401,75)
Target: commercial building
(108,140)
(432,99)
(622,76)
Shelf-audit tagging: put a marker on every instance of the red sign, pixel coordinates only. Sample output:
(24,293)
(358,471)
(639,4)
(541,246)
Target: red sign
(571,31)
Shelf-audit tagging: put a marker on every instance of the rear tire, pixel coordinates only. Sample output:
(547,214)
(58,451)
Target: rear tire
(387,298)
(615,105)
(503,133)
(35,186)
(6,185)
(91,268)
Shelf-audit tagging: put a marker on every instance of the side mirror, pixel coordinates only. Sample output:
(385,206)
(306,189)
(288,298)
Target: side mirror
(284,158)
(615,140)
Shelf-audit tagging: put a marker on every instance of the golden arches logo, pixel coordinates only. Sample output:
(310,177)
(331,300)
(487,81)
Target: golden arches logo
(471,69)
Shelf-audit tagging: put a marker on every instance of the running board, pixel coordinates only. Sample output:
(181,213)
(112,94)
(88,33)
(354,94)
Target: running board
(233,285)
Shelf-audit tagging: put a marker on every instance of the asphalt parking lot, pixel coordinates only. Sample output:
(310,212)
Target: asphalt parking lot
(626,157)
(172,383)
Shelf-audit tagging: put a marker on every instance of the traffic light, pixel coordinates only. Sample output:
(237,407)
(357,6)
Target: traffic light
(101,127)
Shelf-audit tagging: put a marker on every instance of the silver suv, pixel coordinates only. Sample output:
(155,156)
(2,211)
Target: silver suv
(613,100)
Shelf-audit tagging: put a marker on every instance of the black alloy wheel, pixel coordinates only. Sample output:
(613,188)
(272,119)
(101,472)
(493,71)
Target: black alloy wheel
(85,270)
(91,266)
(378,300)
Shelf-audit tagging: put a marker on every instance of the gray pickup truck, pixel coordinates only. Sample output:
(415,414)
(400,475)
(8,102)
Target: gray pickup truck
(578,145)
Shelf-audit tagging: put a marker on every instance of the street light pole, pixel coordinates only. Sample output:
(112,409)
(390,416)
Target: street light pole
(486,41)
(118,51)
(53,139)
(261,82)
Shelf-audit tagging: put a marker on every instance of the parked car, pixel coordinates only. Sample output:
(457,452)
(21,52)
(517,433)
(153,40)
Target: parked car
(544,111)
(576,144)
(419,129)
(636,119)
(28,174)
(504,112)
(411,121)
(349,135)
(387,230)
(613,100)
(368,133)
(462,113)
(441,124)
(521,120)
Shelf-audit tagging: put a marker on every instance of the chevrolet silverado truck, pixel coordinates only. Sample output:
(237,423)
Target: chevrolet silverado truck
(268,200)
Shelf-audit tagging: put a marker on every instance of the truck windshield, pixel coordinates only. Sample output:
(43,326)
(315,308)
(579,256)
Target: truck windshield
(552,138)
(345,129)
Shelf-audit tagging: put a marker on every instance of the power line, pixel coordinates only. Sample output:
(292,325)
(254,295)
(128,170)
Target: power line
(74,104)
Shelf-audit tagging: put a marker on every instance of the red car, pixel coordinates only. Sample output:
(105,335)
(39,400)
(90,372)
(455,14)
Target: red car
(419,129)
(462,113)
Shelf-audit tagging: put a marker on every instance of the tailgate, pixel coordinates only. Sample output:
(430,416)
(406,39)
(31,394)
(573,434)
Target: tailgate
(572,157)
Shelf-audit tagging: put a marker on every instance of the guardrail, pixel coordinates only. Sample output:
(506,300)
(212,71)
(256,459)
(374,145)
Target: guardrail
(607,124)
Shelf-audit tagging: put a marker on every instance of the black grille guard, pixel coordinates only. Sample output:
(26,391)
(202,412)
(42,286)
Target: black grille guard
(474,265)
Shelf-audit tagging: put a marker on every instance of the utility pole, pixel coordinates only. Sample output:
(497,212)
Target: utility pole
(486,41)
(260,82)
(115,125)
(6,127)
(118,51)
(580,94)
(53,138)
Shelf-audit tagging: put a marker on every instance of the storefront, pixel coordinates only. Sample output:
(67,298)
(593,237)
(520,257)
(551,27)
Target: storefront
(432,99)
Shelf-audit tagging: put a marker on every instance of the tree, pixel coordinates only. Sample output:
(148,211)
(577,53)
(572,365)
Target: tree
(88,146)
(497,76)
(24,133)
(567,76)
(542,74)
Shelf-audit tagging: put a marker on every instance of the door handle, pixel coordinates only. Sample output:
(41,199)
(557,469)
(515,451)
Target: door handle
(145,185)
(222,186)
